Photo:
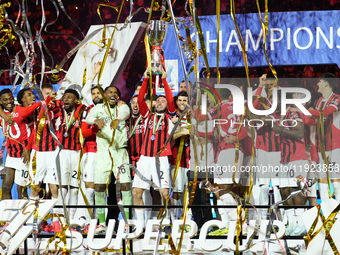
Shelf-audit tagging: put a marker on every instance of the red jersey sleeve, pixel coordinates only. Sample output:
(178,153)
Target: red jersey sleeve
(309,121)
(212,114)
(88,130)
(326,112)
(243,133)
(25,112)
(257,104)
(170,98)
(143,107)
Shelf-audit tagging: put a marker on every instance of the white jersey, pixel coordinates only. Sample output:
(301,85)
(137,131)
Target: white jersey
(104,136)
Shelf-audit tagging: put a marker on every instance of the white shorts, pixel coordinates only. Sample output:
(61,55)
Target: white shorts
(147,167)
(271,161)
(226,167)
(291,170)
(22,177)
(87,166)
(45,166)
(69,164)
(103,165)
(181,180)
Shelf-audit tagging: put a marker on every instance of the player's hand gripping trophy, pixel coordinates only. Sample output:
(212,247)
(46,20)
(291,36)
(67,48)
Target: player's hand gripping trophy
(157,30)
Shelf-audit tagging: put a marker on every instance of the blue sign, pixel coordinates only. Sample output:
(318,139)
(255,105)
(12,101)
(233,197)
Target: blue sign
(294,38)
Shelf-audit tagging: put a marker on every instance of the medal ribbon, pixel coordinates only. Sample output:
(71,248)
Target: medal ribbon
(284,115)
(155,127)
(134,128)
(185,122)
(115,110)
(329,97)
(68,121)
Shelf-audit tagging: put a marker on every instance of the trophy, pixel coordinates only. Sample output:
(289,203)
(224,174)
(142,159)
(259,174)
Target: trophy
(157,30)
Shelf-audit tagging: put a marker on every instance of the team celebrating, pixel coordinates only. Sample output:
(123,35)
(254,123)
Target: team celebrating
(95,134)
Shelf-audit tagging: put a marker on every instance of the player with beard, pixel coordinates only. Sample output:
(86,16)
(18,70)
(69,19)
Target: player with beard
(101,118)
(67,128)
(329,103)
(89,149)
(294,160)
(267,146)
(181,180)
(20,139)
(44,152)
(91,96)
(86,92)
(135,130)
(157,131)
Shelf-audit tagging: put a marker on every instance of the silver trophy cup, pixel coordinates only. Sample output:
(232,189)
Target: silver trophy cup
(157,30)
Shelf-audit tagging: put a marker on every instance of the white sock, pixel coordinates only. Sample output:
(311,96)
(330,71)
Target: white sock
(34,198)
(277,198)
(147,198)
(251,211)
(65,190)
(323,190)
(73,201)
(298,213)
(174,211)
(336,188)
(60,201)
(56,210)
(89,193)
(264,192)
(291,217)
(140,216)
(224,214)
(189,215)
(229,200)
(264,200)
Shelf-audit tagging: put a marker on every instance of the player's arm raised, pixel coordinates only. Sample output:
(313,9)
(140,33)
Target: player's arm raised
(143,107)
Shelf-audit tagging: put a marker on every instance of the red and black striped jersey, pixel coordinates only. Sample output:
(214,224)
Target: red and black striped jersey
(154,140)
(46,141)
(19,133)
(266,139)
(212,113)
(185,159)
(69,136)
(89,133)
(233,123)
(292,149)
(135,127)
(331,139)
(153,143)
